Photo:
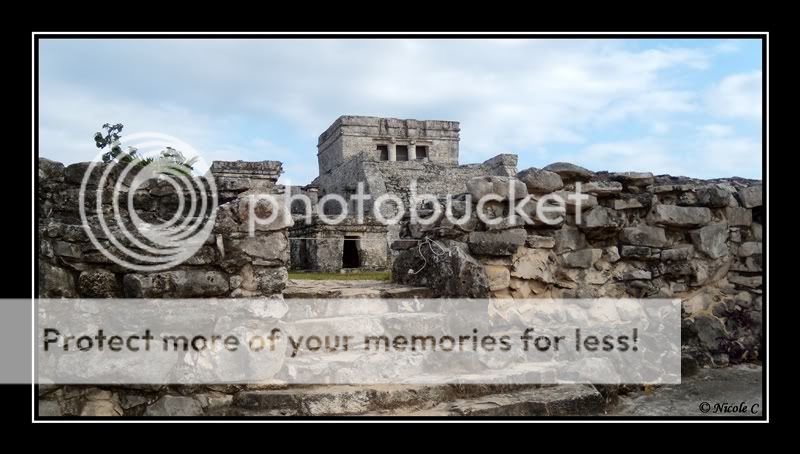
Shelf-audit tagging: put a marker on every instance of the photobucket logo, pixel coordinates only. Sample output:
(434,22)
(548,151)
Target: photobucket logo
(157,168)
(499,207)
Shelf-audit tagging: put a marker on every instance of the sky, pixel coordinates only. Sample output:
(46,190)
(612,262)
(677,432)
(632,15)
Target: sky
(679,107)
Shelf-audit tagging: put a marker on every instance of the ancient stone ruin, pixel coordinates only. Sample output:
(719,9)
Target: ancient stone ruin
(640,236)
(386,155)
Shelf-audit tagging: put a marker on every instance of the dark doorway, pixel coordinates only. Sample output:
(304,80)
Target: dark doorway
(383,152)
(422,153)
(350,258)
(402,152)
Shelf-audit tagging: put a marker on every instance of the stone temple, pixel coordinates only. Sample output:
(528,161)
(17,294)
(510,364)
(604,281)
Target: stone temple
(386,154)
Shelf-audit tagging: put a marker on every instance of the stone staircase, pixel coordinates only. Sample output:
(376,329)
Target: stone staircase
(376,307)
(402,400)
(308,288)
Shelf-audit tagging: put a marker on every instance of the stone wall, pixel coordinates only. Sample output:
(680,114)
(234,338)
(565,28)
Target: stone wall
(319,247)
(231,263)
(382,177)
(640,236)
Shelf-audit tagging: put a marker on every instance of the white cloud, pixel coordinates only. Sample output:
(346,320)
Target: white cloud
(716,130)
(660,127)
(738,156)
(703,157)
(645,154)
(737,96)
(71,114)
(727,47)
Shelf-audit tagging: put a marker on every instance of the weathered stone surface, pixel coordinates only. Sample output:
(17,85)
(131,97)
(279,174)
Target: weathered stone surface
(710,331)
(723,384)
(750,248)
(713,196)
(744,280)
(50,171)
(504,242)
(402,245)
(558,400)
(538,241)
(751,264)
(67,249)
(499,277)
(98,284)
(569,171)
(270,279)
(678,253)
(633,178)
(206,255)
(268,211)
(259,280)
(678,216)
(602,218)
(611,254)
(253,211)
(584,258)
(751,197)
(627,204)
(49,408)
(101,408)
(643,235)
(738,216)
(569,239)
(55,282)
(572,202)
(453,272)
(272,246)
(640,252)
(540,181)
(756,232)
(175,406)
(175,284)
(602,188)
(74,173)
(636,275)
(711,240)
(536,264)
(480,187)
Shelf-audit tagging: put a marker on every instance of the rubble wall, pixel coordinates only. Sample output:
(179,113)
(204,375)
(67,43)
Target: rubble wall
(639,236)
(231,263)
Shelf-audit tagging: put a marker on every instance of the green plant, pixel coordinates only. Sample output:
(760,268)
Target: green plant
(111,139)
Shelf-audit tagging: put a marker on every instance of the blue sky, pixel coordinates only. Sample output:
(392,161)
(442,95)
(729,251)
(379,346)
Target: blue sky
(683,107)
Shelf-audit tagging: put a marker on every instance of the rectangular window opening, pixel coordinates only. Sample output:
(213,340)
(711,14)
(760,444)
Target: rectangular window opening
(402,153)
(383,152)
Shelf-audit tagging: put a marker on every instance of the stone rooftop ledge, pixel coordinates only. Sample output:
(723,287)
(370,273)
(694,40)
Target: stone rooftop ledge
(263,169)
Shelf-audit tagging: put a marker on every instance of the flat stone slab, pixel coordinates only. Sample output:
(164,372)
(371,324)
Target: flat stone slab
(558,400)
(339,399)
(313,289)
(731,386)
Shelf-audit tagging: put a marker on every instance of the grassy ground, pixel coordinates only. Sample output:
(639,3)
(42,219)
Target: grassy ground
(360,276)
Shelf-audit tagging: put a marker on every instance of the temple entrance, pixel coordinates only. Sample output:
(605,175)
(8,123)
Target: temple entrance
(350,255)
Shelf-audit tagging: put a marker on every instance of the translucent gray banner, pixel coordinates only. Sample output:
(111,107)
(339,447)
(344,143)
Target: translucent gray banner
(358,341)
